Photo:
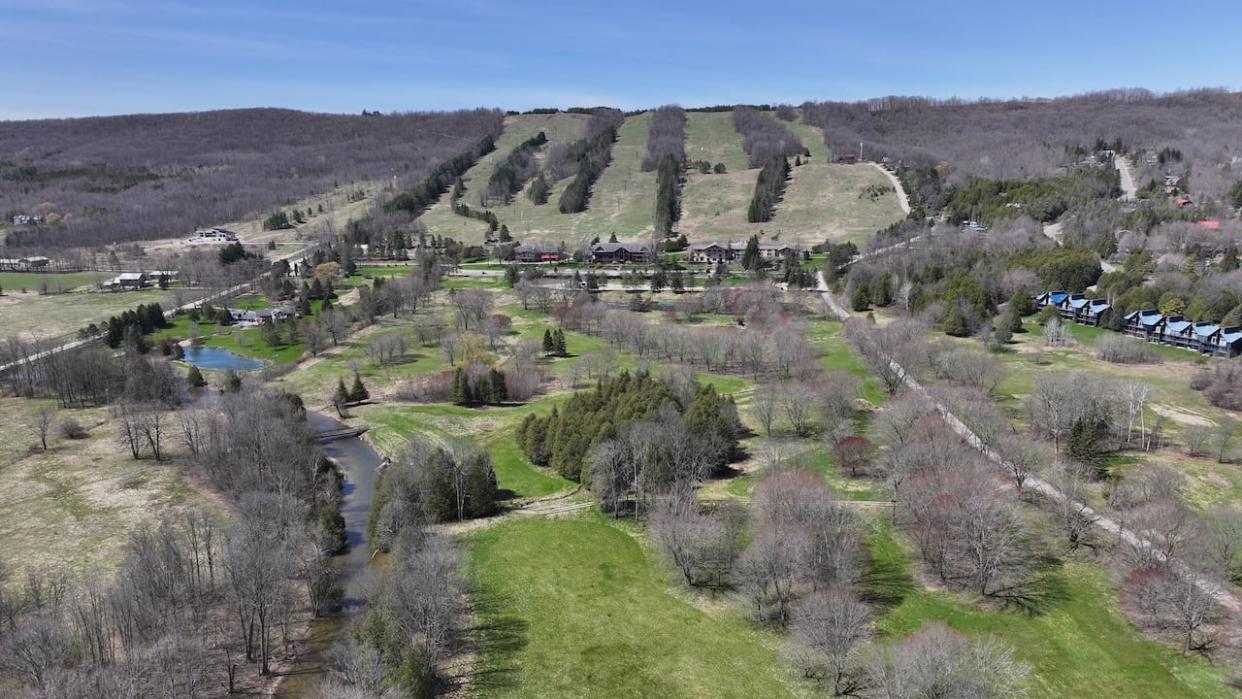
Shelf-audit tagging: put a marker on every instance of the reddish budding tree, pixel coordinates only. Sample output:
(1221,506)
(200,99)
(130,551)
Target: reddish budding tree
(853,453)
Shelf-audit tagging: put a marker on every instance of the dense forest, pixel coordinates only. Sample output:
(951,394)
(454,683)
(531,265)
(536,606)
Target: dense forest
(763,137)
(115,179)
(1019,139)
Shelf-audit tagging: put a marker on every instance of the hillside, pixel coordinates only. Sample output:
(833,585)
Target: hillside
(822,200)
(144,177)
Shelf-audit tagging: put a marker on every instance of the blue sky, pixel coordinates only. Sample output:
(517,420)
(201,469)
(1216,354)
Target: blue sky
(81,57)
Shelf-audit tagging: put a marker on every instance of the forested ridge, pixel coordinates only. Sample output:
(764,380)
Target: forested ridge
(148,176)
(1024,138)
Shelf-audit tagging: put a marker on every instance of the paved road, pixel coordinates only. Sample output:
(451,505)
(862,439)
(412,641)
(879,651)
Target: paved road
(1225,597)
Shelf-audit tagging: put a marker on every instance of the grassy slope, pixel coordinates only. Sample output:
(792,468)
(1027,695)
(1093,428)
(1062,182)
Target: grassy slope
(821,200)
(592,618)
(1082,646)
(622,201)
(559,128)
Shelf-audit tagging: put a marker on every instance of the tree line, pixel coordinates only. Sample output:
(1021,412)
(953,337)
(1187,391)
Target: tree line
(590,155)
(512,173)
(428,191)
(769,189)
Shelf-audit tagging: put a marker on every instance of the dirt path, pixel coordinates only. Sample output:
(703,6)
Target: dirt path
(1128,189)
(902,200)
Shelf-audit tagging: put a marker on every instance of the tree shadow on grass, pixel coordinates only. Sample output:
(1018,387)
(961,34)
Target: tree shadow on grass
(886,580)
(496,641)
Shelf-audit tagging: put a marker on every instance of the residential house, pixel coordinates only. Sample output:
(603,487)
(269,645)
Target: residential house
(1230,342)
(213,236)
(1094,312)
(127,281)
(1051,298)
(1073,306)
(1147,324)
(620,253)
(1179,332)
(255,317)
(1206,337)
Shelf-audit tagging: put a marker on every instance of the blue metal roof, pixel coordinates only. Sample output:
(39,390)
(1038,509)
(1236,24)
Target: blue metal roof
(1078,303)
(1231,335)
(1206,329)
(1178,326)
(1057,296)
(1150,317)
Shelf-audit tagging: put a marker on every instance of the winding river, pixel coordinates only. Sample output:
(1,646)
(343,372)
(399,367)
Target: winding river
(358,463)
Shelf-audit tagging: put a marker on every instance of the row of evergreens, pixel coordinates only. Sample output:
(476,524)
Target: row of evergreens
(421,196)
(591,154)
(512,173)
(769,188)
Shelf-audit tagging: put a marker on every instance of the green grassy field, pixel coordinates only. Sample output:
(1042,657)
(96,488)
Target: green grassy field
(31,315)
(247,342)
(1082,646)
(14,282)
(574,608)
(821,199)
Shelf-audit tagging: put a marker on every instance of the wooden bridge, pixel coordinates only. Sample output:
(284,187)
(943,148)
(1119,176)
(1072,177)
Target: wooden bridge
(343,433)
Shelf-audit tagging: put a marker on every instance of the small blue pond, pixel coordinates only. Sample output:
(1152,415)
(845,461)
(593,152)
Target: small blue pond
(219,358)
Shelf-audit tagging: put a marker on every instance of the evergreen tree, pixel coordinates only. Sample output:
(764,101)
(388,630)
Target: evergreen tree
(860,299)
(1002,330)
(559,343)
(751,259)
(194,377)
(499,392)
(538,192)
(549,345)
(115,333)
(505,237)
(340,398)
(1021,304)
(512,276)
(955,321)
(1230,261)
(358,392)
(459,393)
